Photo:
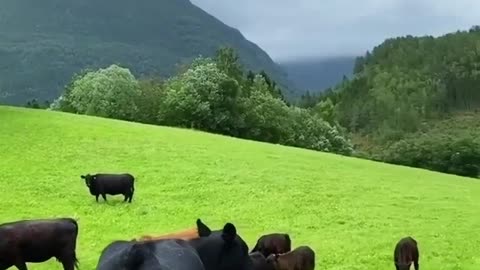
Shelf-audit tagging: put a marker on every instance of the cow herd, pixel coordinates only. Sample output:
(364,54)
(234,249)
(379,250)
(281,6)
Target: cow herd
(198,248)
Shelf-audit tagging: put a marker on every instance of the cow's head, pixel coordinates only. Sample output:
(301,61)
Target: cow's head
(88,179)
(223,250)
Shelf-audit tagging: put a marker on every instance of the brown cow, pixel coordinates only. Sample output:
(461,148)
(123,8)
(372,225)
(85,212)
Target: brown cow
(37,241)
(301,258)
(274,243)
(406,252)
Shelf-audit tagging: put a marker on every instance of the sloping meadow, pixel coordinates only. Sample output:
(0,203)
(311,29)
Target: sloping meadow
(350,211)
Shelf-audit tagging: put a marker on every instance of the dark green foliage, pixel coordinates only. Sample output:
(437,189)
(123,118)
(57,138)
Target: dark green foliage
(42,45)
(152,92)
(404,85)
(407,79)
(441,153)
(271,85)
(310,131)
(34,104)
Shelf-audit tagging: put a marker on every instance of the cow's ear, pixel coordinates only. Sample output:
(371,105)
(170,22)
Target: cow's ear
(229,233)
(83,176)
(203,230)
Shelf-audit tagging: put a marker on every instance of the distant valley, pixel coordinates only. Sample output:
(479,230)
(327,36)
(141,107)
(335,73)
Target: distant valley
(316,75)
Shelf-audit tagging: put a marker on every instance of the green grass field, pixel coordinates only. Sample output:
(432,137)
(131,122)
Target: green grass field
(350,211)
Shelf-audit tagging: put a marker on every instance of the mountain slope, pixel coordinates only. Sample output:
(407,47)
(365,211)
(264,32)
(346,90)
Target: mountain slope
(407,95)
(43,43)
(316,75)
(350,211)
(407,79)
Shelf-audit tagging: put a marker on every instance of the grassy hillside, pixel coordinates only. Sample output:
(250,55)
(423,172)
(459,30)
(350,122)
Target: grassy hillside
(43,43)
(316,75)
(350,211)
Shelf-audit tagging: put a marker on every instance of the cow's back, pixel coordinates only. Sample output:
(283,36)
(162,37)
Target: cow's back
(127,176)
(149,255)
(113,255)
(114,183)
(176,255)
(274,243)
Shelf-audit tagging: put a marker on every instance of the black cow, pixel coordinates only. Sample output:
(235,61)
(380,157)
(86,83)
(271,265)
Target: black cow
(112,184)
(406,252)
(37,241)
(273,243)
(168,254)
(220,250)
(301,258)
(259,261)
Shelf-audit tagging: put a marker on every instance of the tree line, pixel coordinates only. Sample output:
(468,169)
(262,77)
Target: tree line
(405,85)
(213,94)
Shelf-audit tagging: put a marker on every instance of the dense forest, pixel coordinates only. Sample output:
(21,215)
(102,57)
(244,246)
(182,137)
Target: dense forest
(42,43)
(414,101)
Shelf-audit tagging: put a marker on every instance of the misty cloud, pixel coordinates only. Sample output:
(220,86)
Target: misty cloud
(322,28)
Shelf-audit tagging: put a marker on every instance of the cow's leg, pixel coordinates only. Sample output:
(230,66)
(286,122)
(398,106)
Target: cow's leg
(125,196)
(21,266)
(68,264)
(417,267)
(5,266)
(96,197)
(68,261)
(104,196)
(131,196)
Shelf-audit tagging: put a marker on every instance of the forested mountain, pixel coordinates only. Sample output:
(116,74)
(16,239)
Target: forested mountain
(406,96)
(316,75)
(43,43)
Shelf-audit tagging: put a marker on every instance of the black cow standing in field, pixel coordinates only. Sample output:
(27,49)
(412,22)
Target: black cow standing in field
(301,258)
(112,184)
(37,241)
(406,252)
(273,243)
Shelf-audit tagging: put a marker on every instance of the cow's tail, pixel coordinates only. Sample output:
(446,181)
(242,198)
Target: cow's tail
(75,259)
(255,248)
(133,179)
(289,242)
(76,263)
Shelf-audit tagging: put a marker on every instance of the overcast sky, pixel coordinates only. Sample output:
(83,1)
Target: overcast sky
(292,29)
